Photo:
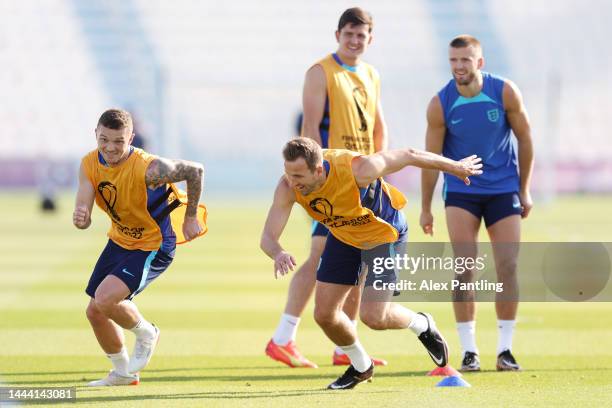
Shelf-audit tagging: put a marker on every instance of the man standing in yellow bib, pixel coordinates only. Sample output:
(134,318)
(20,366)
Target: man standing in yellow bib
(133,188)
(345,191)
(342,110)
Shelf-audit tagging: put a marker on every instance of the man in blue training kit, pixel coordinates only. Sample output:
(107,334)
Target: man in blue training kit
(474,113)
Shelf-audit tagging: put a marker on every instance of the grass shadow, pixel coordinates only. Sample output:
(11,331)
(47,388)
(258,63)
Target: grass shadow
(238,395)
(283,375)
(160,370)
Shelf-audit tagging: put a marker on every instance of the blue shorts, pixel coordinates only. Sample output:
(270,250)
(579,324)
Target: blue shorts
(491,207)
(135,268)
(318,229)
(343,264)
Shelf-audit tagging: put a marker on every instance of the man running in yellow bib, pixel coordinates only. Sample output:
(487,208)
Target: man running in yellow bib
(134,189)
(345,191)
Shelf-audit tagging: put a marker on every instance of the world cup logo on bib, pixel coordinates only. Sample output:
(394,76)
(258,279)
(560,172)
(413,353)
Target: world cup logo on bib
(322,206)
(108,192)
(361,103)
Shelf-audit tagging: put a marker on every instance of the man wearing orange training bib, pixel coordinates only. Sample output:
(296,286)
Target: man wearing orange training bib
(345,191)
(134,189)
(342,110)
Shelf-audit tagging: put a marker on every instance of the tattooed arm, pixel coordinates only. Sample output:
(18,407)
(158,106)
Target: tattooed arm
(162,171)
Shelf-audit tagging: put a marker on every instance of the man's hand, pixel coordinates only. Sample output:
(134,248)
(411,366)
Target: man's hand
(526,203)
(81,217)
(470,166)
(191,228)
(283,262)
(426,222)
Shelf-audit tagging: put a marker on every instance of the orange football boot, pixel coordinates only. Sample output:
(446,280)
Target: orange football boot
(288,354)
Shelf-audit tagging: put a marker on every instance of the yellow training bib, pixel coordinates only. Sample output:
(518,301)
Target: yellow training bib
(337,205)
(121,192)
(353,99)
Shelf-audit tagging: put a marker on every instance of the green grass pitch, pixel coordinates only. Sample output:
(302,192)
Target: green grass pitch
(218,305)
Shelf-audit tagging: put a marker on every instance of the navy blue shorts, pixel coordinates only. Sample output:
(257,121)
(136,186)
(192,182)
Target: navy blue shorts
(491,207)
(135,268)
(318,229)
(343,264)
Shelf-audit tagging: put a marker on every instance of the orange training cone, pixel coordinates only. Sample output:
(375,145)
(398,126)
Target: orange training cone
(446,371)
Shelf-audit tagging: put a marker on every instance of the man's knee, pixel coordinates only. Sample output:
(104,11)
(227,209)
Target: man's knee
(465,276)
(105,303)
(506,269)
(94,314)
(374,318)
(324,317)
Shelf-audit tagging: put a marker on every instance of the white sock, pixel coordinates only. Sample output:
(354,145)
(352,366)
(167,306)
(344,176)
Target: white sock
(418,324)
(467,336)
(359,358)
(143,328)
(120,361)
(286,329)
(338,349)
(506,330)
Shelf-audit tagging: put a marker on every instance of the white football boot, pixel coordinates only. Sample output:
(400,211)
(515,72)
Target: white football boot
(115,379)
(143,351)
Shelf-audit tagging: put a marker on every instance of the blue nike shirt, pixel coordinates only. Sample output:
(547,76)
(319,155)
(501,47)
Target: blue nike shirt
(478,125)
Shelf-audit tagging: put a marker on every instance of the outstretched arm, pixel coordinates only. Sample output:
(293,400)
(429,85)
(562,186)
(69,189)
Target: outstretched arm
(519,122)
(278,215)
(81,217)
(162,171)
(368,168)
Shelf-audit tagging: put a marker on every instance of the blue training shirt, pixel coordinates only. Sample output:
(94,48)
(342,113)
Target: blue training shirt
(374,198)
(479,125)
